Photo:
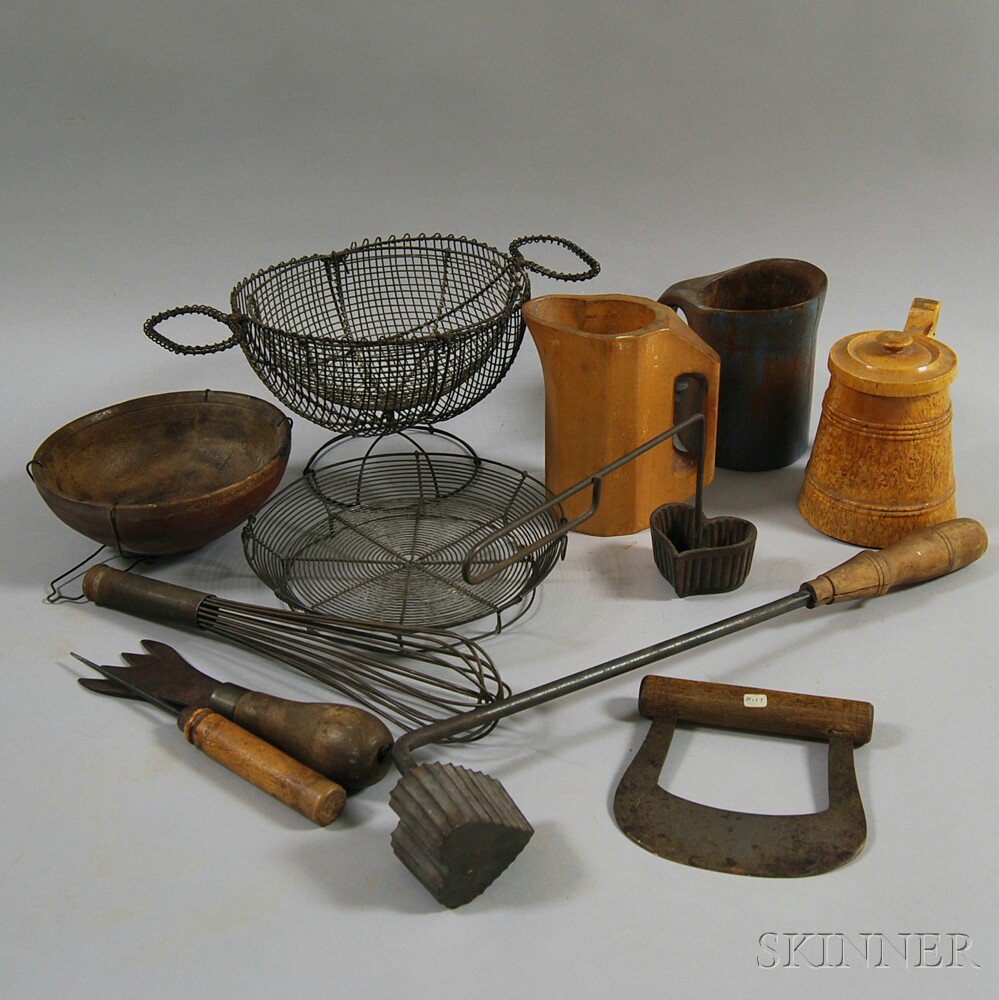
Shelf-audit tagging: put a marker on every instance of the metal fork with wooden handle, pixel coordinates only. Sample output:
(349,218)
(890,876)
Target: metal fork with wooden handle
(342,742)
(258,762)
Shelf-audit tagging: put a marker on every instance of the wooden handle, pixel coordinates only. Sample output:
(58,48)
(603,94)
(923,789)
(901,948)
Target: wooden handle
(685,295)
(705,368)
(315,797)
(344,743)
(923,555)
(759,710)
(142,596)
(923,316)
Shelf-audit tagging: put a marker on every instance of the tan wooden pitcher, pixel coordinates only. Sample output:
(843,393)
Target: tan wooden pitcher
(882,465)
(616,368)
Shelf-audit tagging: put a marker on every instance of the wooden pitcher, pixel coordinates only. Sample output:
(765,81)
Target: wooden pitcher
(762,318)
(882,465)
(619,370)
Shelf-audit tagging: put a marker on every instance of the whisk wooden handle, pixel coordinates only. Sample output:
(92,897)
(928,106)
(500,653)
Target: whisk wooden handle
(271,770)
(142,596)
(758,710)
(923,555)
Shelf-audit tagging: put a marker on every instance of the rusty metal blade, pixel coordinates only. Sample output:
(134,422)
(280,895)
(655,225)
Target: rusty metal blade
(104,685)
(161,671)
(769,846)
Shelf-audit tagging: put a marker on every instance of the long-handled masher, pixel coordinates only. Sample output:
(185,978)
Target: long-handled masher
(459,829)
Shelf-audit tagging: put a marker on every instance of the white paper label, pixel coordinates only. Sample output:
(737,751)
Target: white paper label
(754,700)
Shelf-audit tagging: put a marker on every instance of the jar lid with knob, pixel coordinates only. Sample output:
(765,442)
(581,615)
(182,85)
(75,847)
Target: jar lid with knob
(909,362)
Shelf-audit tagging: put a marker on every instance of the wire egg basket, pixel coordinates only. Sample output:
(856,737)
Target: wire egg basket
(384,335)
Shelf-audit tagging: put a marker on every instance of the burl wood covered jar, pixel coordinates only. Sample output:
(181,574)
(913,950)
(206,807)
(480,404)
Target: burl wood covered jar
(882,464)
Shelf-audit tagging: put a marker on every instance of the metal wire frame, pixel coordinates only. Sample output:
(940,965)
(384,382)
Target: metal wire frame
(385,537)
(411,677)
(56,594)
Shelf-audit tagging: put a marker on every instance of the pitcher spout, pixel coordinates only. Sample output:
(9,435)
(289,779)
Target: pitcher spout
(760,286)
(550,317)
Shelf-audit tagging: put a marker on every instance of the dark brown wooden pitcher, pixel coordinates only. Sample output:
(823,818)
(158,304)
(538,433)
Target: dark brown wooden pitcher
(762,320)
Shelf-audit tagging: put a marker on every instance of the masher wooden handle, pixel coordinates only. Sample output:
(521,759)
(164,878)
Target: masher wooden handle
(271,770)
(759,710)
(923,555)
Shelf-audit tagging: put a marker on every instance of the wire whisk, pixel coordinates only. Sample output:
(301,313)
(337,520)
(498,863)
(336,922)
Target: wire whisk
(407,676)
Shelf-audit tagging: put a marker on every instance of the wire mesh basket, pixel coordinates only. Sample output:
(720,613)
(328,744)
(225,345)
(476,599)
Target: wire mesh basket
(384,335)
(385,537)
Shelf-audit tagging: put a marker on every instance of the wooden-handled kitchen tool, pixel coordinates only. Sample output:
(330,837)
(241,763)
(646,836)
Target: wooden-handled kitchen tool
(459,829)
(407,676)
(271,770)
(722,840)
(344,743)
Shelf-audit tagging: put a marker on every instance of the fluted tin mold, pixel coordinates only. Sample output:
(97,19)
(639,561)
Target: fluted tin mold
(717,562)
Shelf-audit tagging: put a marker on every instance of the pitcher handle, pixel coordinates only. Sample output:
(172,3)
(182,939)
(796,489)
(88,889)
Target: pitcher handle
(593,268)
(922,319)
(678,297)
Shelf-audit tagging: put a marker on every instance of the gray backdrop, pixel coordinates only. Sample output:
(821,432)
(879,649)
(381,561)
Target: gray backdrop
(153,154)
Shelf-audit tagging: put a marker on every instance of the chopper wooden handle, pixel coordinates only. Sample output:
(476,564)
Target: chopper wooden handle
(923,555)
(142,596)
(315,797)
(759,710)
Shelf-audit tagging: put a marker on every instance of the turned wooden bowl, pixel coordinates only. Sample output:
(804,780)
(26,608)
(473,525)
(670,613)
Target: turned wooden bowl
(164,474)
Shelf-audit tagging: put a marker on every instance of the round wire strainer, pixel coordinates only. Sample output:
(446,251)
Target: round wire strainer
(385,537)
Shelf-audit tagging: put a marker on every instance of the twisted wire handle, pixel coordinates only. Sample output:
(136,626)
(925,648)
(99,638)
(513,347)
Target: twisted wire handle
(593,267)
(231,321)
